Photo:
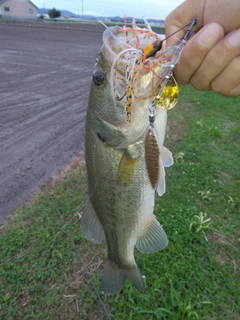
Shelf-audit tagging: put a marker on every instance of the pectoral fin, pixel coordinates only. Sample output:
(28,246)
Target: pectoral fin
(153,239)
(90,224)
(161,184)
(167,157)
(165,160)
(126,168)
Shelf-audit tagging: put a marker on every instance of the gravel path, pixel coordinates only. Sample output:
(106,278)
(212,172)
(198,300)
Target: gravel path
(45,76)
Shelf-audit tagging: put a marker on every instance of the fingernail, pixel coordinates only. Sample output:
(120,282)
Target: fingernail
(210,35)
(234,38)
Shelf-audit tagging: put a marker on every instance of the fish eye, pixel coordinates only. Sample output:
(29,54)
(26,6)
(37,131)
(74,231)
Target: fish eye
(98,77)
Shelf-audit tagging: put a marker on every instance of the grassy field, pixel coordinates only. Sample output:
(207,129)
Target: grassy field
(196,277)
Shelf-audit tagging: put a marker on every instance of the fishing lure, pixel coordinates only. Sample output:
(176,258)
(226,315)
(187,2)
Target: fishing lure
(143,70)
(166,96)
(142,60)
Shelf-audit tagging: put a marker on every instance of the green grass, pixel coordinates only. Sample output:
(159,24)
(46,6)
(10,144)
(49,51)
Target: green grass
(196,277)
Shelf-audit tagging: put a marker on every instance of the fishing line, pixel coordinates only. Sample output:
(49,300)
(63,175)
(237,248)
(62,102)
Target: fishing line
(88,274)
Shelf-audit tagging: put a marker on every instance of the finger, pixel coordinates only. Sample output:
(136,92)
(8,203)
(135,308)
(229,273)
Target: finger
(228,82)
(216,61)
(222,12)
(182,15)
(196,50)
(226,13)
(235,92)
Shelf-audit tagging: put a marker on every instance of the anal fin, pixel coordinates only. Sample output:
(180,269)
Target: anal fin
(153,239)
(90,224)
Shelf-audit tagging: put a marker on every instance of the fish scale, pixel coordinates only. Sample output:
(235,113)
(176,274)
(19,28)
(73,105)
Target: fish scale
(125,159)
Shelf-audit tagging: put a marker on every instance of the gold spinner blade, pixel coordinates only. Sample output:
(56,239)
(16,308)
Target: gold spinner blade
(169,97)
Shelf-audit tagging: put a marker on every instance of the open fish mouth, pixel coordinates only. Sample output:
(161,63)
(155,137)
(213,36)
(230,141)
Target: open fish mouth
(140,67)
(132,90)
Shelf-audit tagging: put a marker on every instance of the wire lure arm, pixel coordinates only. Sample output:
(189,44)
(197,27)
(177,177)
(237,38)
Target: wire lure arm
(167,97)
(177,54)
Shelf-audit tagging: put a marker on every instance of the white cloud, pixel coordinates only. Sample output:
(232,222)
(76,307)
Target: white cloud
(157,9)
(92,13)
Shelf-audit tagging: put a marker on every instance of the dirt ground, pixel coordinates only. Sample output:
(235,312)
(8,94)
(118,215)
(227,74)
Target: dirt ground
(45,76)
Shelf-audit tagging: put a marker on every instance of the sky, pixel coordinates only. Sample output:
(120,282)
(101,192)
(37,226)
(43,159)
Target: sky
(155,9)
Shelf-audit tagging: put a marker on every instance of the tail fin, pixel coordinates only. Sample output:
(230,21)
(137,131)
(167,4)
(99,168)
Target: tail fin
(114,278)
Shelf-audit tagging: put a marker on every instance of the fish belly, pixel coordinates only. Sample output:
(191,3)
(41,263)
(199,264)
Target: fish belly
(121,199)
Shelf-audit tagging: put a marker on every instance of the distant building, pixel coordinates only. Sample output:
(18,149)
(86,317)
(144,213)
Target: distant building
(23,9)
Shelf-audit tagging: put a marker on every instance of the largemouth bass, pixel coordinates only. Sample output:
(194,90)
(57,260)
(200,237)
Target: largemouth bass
(124,151)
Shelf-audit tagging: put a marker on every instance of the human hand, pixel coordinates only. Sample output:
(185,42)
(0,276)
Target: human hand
(211,58)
